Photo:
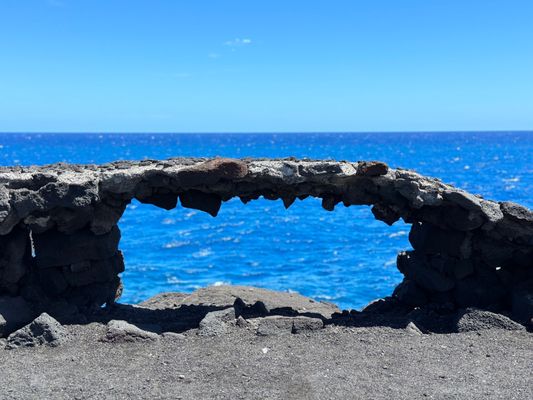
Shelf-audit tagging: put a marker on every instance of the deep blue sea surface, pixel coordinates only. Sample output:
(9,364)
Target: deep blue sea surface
(344,256)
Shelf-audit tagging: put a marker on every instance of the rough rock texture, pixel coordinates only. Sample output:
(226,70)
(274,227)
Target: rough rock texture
(59,238)
(44,330)
(217,323)
(122,331)
(476,320)
(251,300)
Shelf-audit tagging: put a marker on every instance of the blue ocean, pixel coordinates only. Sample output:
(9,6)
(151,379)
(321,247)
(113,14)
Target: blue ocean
(344,256)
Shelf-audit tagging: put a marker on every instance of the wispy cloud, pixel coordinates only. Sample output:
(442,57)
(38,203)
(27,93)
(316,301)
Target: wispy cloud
(232,44)
(238,42)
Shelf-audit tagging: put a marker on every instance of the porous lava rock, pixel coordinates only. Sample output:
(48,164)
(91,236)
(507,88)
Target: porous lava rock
(44,330)
(59,238)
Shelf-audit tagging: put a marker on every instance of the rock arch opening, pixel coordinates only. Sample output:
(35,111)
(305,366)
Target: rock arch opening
(345,257)
(468,251)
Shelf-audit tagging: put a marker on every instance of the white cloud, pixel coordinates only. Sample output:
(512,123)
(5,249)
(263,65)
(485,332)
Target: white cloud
(238,42)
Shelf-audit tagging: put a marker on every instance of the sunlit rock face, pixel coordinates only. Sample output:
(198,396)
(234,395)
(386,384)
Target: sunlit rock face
(59,239)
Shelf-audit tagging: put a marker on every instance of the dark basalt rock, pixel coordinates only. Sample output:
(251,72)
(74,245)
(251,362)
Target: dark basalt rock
(372,168)
(410,293)
(44,330)
(59,239)
(208,202)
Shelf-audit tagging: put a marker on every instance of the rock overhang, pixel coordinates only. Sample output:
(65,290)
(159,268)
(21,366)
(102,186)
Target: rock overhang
(59,236)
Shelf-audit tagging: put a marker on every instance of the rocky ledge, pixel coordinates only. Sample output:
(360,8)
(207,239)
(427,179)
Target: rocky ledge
(59,239)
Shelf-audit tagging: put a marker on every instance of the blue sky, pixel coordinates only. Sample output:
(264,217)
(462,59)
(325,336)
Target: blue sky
(265,66)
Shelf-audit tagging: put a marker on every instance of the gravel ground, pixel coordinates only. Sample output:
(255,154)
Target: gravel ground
(336,362)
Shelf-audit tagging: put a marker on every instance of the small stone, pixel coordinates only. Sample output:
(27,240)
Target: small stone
(242,323)
(121,331)
(216,323)
(412,329)
(44,330)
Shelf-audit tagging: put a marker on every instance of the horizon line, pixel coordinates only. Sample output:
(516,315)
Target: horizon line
(264,132)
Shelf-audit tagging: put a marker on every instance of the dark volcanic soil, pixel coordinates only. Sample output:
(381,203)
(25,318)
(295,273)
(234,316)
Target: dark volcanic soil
(259,358)
(334,363)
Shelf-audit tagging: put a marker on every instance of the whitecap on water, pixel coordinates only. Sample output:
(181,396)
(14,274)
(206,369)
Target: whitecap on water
(202,253)
(173,280)
(168,221)
(325,297)
(175,244)
(220,283)
(390,263)
(398,234)
(509,180)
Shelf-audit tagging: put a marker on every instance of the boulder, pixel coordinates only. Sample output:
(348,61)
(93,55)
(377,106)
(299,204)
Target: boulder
(472,319)
(44,330)
(516,212)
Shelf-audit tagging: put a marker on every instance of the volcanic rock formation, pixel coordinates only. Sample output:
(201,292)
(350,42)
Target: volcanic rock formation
(59,239)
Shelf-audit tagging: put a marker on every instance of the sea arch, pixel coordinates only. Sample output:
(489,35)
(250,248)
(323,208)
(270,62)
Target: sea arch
(59,237)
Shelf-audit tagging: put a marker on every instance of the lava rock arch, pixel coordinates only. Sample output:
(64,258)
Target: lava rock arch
(59,239)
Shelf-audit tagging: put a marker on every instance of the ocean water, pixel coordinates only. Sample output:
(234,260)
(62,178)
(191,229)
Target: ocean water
(344,256)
